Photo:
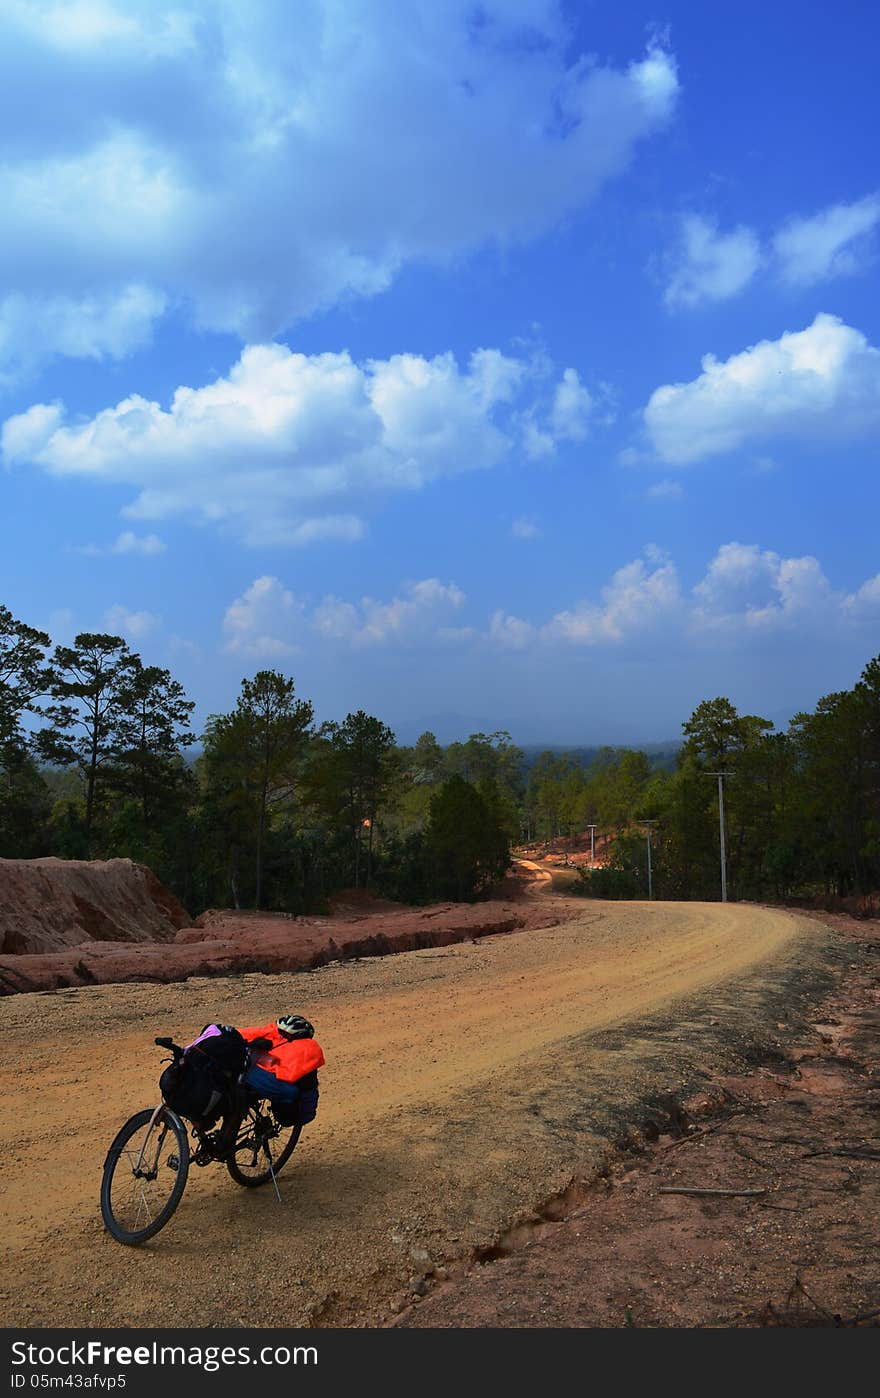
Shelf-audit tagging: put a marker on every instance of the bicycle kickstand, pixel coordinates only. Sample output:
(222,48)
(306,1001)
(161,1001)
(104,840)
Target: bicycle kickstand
(272,1173)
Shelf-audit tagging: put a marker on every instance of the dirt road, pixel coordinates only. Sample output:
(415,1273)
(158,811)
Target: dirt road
(464,1086)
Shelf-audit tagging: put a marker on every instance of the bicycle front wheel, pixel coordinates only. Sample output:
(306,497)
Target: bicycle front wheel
(144,1175)
(262,1148)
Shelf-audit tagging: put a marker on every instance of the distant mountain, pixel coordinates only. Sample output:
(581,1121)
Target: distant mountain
(662,755)
(447,728)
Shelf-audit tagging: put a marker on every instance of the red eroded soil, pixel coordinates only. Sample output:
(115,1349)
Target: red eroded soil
(224,943)
(569,851)
(795,1242)
(50,904)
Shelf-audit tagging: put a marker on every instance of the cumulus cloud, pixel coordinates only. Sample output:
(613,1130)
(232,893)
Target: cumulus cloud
(640,595)
(416,613)
(262,622)
(101,325)
(146,545)
(132,625)
(287,449)
(565,418)
(182,119)
(820,382)
(835,242)
(746,586)
(510,631)
(746,592)
(864,604)
(572,406)
(709,265)
(269,621)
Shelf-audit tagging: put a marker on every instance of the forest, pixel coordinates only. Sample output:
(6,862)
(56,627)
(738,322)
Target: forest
(272,807)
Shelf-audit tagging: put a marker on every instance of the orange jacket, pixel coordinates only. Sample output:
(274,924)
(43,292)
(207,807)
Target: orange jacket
(288,1059)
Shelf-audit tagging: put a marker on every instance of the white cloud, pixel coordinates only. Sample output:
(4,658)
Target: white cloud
(820,382)
(746,593)
(756,589)
(737,578)
(708,265)
(864,604)
(640,595)
(711,266)
(261,623)
(665,490)
(102,325)
(147,545)
(572,406)
(369,622)
(287,448)
(182,120)
(833,243)
(566,418)
(537,442)
(510,632)
(269,621)
(526,528)
(132,625)
(27,433)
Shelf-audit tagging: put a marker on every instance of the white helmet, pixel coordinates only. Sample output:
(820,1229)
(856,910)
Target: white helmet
(294,1027)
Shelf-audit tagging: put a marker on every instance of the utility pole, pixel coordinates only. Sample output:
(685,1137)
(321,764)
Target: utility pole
(721,776)
(649,824)
(592,830)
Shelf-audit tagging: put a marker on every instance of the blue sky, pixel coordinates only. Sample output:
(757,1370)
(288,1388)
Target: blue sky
(503,365)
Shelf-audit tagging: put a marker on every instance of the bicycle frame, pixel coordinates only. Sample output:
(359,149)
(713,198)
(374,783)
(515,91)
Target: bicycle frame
(159,1112)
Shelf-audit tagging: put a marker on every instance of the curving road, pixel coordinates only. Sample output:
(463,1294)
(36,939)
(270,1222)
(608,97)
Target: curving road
(464,1086)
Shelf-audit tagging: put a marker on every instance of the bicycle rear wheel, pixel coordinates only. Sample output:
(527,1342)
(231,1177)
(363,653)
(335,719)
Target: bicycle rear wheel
(263,1146)
(144,1175)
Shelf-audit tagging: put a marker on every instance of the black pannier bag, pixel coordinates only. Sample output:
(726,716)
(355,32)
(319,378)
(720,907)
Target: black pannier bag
(191,1089)
(197,1086)
(304,1109)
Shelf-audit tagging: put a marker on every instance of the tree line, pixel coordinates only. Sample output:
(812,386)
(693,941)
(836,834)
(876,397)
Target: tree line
(279,810)
(801,807)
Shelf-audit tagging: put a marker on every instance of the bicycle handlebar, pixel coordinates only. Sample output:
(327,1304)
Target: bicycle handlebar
(168,1043)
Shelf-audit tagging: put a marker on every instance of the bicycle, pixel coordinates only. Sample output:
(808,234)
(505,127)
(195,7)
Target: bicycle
(147,1165)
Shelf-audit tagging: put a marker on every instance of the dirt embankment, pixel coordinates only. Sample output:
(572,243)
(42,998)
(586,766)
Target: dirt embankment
(229,943)
(50,904)
(465,1086)
(753,1202)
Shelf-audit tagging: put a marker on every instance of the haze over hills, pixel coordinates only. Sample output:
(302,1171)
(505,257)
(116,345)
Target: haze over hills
(450,727)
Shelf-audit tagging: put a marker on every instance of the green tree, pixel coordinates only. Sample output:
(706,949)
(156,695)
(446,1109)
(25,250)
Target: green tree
(617,781)
(24,801)
(354,772)
(23,672)
(465,844)
(253,760)
(89,682)
(153,727)
(427,760)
